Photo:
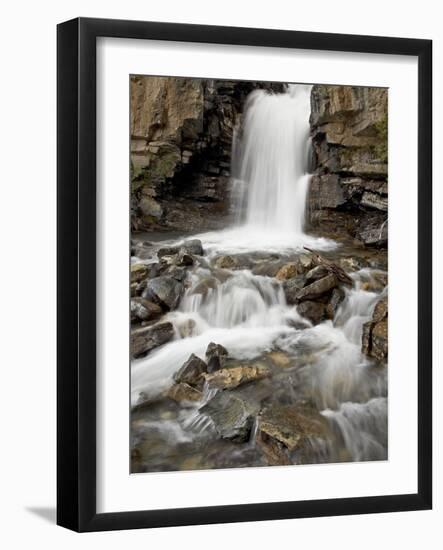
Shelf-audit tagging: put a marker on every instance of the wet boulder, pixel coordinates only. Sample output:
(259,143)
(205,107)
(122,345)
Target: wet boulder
(287,271)
(184,392)
(351,264)
(317,288)
(144,310)
(164,291)
(379,337)
(315,312)
(336,298)
(232,415)
(285,433)
(216,356)
(167,251)
(305,262)
(375,332)
(139,272)
(183,258)
(144,339)
(191,372)
(267,268)
(315,274)
(376,281)
(291,289)
(193,246)
(230,378)
(225,262)
(176,272)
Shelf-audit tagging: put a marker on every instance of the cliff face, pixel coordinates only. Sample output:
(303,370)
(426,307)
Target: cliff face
(349,190)
(181,138)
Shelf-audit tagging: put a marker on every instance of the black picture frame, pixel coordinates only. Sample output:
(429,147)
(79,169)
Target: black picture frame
(76,279)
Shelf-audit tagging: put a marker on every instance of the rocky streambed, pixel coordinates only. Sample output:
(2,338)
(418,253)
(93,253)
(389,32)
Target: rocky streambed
(257,358)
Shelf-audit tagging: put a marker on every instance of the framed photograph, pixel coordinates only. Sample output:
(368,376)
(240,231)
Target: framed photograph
(241,336)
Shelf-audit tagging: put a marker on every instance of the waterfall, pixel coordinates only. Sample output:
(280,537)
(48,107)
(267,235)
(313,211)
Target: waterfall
(248,314)
(273,160)
(269,176)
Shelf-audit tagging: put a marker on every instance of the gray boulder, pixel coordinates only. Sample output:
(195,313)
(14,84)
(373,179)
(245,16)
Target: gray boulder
(191,372)
(313,311)
(286,432)
(144,310)
(184,258)
(144,339)
(164,291)
(317,288)
(337,297)
(316,273)
(232,415)
(291,289)
(193,246)
(167,251)
(216,356)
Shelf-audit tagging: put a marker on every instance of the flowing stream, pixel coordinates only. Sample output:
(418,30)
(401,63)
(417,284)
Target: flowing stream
(247,313)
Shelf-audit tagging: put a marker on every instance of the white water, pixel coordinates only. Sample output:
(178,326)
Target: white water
(248,314)
(274,160)
(245,314)
(270,176)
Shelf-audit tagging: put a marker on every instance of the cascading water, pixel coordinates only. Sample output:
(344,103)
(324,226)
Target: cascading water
(273,176)
(270,178)
(248,314)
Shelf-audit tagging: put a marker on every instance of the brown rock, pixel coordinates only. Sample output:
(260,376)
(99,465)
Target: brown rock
(183,258)
(380,310)
(316,273)
(326,192)
(306,262)
(184,392)
(287,429)
(164,291)
(228,379)
(287,272)
(216,356)
(337,297)
(317,288)
(313,311)
(380,340)
(374,200)
(144,310)
(145,339)
(291,288)
(233,415)
(150,207)
(375,332)
(377,282)
(225,262)
(191,371)
(139,272)
(267,268)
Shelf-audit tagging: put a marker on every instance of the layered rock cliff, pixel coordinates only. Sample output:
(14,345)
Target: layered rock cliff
(349,191)
(182,131)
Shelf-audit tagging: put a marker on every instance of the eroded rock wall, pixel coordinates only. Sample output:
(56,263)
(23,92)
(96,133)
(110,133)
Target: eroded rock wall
(181,139)
(349,190)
